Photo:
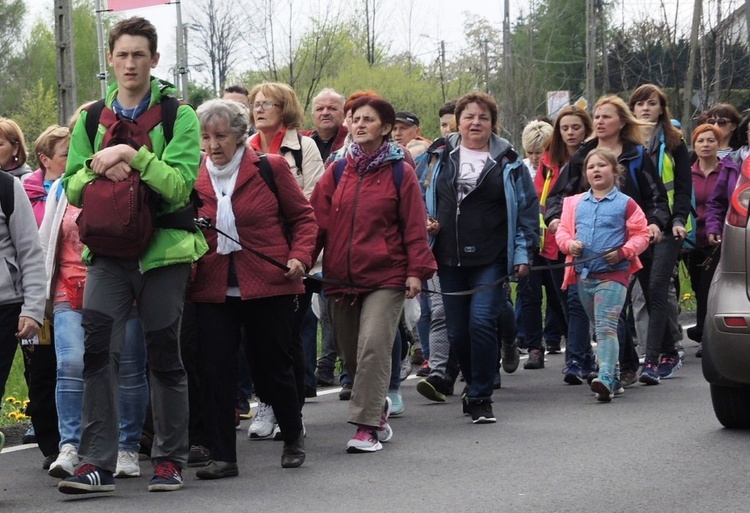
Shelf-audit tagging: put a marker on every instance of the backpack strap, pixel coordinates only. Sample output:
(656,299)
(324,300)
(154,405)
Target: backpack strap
(338,170)
(636,164)
(397,168)
(7,195)
(264,167)
(98,113)
(296,154)
(94,113)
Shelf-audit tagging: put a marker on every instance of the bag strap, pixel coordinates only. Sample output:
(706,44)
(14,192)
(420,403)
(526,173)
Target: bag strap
(7,195)
(168,116)
(397,168)
(636,164)
(94,113)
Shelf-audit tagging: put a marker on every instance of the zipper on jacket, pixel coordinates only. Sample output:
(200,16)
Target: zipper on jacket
(458,208)
(351,231)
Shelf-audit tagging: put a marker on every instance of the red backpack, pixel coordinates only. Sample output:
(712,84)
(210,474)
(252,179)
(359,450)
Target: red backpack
(117,218)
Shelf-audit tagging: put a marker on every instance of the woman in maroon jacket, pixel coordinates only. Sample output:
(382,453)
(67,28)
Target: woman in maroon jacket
(374,228)
(233,288)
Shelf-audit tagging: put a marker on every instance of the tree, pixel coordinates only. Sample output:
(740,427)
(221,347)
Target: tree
(12,13)
(37,111)
(216,33)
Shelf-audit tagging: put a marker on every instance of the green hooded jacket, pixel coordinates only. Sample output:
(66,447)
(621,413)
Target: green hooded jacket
(169,170)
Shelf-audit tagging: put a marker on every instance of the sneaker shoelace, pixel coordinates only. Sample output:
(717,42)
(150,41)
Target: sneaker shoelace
(85,469)
(166,470)
(366,434)
(263,412)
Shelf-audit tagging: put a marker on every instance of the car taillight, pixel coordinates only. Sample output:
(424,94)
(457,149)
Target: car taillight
(735,322)
(738,206)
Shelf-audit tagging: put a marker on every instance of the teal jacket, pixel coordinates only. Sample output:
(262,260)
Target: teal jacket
(170,170)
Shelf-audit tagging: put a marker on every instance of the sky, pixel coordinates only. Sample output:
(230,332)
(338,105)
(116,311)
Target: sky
(432,20)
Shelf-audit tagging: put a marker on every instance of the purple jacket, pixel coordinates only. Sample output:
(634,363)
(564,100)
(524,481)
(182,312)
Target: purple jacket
(718,203)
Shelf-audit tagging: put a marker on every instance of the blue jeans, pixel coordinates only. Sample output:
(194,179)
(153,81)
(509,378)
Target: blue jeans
(132,388)
(309,336)
(423,325)
(472,323)
(603,301)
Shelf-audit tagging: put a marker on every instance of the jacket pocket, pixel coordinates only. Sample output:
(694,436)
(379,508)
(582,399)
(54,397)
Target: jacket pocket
(8,279)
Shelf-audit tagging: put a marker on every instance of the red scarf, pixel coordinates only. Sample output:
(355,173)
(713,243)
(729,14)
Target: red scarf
(275,142)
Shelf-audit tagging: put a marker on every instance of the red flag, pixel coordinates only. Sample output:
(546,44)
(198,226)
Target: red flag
(124,5)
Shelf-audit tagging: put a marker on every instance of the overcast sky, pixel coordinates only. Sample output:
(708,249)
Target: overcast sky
(436,19)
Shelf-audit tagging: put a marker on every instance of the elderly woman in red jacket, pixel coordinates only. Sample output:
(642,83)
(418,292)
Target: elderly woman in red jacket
(373,225)
(233,288)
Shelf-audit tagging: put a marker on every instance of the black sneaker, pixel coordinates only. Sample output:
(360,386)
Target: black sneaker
(310,392)
(346,392)
(510,357)
(554,347)
(536,359)
(429,388)
(88,479)
(198,456)
(48,461)
(167,477)
(481,412)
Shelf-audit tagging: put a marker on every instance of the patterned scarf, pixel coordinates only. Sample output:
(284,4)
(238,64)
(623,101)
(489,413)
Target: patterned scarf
(365,162)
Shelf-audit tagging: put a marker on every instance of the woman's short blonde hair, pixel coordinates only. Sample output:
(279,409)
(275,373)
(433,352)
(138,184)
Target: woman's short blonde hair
(292,114)
(46,142)
(535,135)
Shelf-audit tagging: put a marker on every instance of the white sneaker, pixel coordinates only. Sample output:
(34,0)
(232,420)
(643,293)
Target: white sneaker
(66,462)
(127,464)
(263,422)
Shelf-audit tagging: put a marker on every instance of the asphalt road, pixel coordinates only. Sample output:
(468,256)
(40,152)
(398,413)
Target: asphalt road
(553,449)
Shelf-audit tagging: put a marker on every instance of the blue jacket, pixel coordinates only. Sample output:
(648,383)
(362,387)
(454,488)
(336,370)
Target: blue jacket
(503,169)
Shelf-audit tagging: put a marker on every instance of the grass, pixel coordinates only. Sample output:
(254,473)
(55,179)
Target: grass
(17,392)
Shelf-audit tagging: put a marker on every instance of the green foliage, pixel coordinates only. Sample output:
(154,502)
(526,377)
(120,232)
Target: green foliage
(15,388)
(38,110)
(199,93)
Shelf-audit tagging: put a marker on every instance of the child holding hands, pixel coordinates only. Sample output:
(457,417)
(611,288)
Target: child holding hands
(602,220)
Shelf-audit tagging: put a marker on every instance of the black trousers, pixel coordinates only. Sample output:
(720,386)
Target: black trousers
(270,346)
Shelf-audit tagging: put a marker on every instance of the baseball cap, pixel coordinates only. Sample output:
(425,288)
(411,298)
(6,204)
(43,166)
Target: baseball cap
(407,117)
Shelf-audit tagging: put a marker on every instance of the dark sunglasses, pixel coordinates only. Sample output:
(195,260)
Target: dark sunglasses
(717,121)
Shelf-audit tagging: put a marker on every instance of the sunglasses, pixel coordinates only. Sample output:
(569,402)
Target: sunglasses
(717,121)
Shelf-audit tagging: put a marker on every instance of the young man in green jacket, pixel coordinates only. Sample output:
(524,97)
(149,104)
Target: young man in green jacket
(155,280)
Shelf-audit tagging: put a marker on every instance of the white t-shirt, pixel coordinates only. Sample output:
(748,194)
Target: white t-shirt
(471,165)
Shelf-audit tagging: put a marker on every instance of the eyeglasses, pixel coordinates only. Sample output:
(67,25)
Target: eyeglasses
(717,121)
(267,105)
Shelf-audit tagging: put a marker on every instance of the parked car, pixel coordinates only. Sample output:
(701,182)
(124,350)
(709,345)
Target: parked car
(726,340)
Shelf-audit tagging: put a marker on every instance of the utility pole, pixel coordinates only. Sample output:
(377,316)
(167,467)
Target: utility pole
(686,105)
(102,50)
(181,52)
(67,101)
(442,67)
(590,53)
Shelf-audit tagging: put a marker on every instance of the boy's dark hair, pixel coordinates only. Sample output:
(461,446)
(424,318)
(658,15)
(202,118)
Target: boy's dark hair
(447,108)
(237,89)
(135,26)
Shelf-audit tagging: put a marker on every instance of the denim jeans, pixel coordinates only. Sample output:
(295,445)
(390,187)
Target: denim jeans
(327,359)
(529,303)
(309,336)
(423,325)
(603,301)
(661,338)
(472,323)
(132,384)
